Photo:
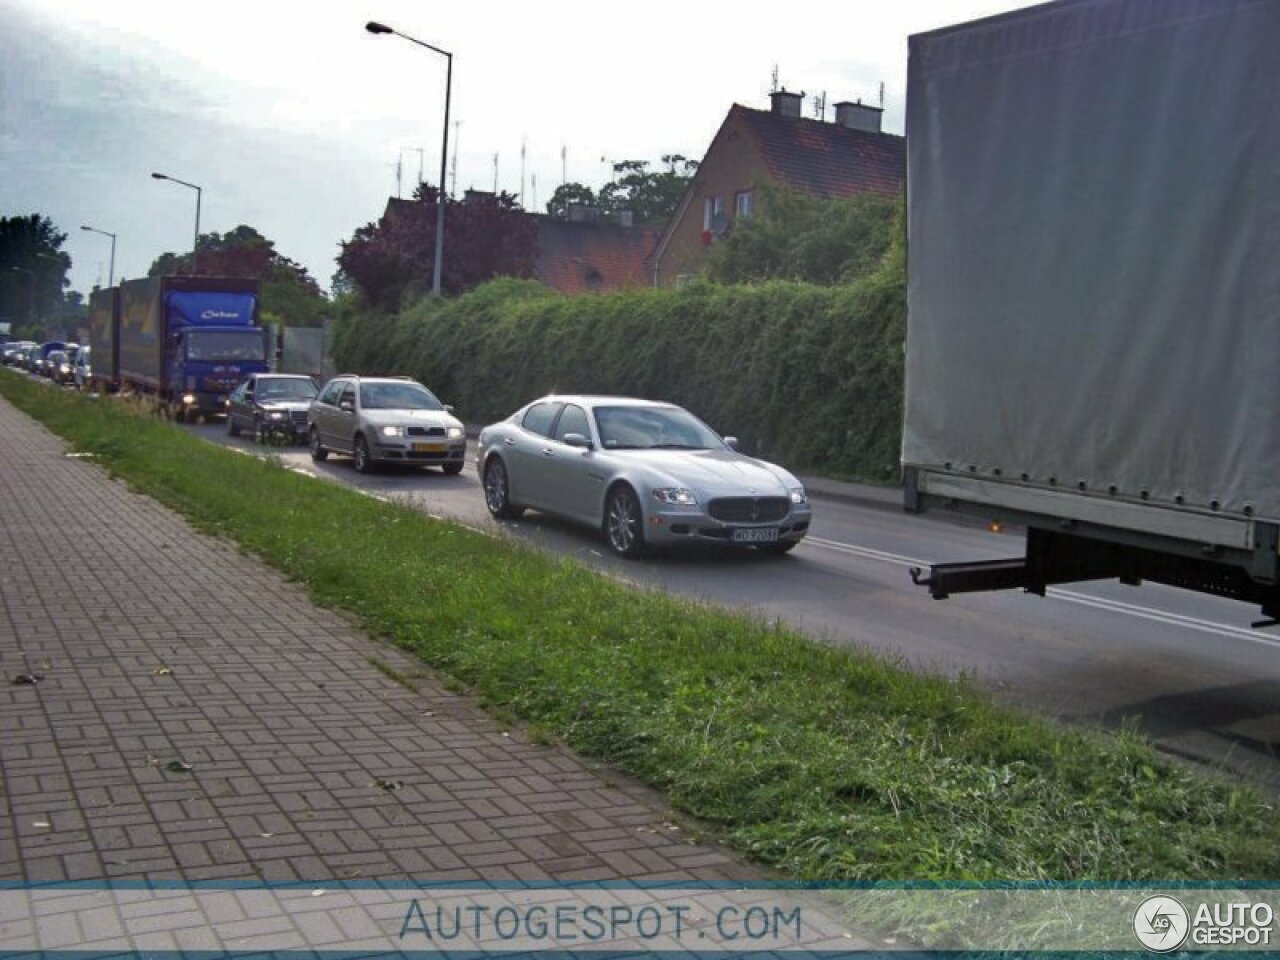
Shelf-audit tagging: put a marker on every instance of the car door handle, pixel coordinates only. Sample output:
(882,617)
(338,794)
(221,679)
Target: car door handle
(548,452)
(509,442)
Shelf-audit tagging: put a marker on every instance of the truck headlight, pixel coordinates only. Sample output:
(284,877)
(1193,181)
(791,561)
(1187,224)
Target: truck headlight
(455,433)
(275,415)
(798,495)
(188,398)
(393,431)
(675,495)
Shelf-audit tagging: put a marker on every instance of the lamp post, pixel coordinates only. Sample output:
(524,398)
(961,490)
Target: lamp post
(111,271)
(195,246)
(378,28)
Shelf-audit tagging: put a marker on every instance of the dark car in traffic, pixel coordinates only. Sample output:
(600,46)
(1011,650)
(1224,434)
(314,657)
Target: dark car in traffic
(272,407)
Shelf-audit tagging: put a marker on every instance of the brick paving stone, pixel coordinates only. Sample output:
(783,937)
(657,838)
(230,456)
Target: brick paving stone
(276,705)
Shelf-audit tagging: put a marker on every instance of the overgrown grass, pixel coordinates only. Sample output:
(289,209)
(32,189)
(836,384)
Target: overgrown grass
(822,763)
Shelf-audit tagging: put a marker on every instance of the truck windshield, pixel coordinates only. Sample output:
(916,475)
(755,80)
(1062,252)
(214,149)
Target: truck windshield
(224,346)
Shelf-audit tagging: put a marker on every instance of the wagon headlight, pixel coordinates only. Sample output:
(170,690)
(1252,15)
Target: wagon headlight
(455,433)
(676,495)
(393,431)
(798,495)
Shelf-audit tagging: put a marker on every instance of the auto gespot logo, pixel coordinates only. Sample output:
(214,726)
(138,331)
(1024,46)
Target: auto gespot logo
(1163,924)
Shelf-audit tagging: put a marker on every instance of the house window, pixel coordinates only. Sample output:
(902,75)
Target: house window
(712,209)
(743,203)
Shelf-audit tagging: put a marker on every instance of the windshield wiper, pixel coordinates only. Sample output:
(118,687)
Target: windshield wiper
(675,446)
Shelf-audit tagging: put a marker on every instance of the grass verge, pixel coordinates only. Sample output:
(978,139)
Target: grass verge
(824,764)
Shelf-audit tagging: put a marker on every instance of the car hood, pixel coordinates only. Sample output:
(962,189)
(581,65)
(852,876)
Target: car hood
(716,472)
(412,418)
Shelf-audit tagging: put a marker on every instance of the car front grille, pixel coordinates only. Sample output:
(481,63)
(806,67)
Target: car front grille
(426,431)
(749,509)
(298,416)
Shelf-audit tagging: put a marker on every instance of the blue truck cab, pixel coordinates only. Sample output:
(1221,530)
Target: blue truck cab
(189,340)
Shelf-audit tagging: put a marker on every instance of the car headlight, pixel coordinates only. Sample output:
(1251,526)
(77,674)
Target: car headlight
(393,431)
(275,415)
(455,433)
(676,495)
(188,398)
(798,495)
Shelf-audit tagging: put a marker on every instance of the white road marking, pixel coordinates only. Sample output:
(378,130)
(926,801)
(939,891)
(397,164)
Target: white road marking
(1071,596)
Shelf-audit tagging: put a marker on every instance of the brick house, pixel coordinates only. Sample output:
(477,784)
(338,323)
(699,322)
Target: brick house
(586,255)
(830,160)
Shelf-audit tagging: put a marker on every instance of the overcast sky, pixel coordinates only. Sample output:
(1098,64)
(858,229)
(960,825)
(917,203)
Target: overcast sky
(292,118)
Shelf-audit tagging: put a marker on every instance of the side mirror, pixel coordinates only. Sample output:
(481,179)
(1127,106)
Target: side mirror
(448,408)
(731,443)
(347,405)
(577,440)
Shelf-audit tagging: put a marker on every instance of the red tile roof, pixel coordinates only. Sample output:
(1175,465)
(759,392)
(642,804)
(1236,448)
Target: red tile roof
(592,257)
(826,159)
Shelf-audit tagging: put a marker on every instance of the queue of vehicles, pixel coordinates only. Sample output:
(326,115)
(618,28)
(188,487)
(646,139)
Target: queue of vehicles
(644,473)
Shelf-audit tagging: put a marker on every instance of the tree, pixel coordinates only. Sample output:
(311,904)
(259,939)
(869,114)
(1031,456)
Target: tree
(391,261)
(33,271)
(651,197)
(797,236)
(567,194)
(289,294)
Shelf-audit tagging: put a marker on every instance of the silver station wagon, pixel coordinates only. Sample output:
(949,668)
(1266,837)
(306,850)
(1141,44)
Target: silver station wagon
(644,473)
(377,420)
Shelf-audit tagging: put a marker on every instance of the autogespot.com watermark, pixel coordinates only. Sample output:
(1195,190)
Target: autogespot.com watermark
(431,924)
(395,919)
(1163,923)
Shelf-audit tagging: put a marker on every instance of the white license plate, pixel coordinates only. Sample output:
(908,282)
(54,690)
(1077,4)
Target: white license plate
(755,535)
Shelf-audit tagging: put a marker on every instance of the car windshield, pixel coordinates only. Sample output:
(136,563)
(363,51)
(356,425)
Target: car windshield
(653,428)
(397,396)
(286,389)
(225,346)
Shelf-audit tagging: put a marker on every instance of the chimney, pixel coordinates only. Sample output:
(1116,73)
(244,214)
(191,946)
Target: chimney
(786,104)
(859,116)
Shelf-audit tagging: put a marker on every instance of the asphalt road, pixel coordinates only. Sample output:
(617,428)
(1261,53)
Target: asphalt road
(1185,667)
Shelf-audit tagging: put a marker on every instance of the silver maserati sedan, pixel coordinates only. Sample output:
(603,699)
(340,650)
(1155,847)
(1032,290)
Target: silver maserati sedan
(644,473)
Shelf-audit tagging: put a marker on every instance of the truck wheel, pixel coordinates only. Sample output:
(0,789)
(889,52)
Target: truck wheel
(318,453)
(232,428)
(179,412)
(360,457)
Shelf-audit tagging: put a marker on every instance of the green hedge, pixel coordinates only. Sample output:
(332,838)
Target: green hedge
(806,375)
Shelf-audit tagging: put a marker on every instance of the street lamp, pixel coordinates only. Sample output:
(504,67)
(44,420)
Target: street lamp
(378,28)
(111,272)
(195,246)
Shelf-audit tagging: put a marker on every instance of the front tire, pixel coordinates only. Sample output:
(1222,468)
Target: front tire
(624,523)
(452,469)
(318,453)
(497,491)
(360,456)
(233,429)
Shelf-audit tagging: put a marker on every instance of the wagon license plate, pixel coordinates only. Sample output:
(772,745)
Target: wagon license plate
(755,535)
(428,448)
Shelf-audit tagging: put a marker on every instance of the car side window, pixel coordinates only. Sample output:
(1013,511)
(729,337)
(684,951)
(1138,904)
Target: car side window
(332,392)
(238,393)
(539,417)
(572,420)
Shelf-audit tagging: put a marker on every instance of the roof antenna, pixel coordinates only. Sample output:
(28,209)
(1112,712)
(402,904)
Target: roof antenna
(774,87)
(881,94)
(820,106)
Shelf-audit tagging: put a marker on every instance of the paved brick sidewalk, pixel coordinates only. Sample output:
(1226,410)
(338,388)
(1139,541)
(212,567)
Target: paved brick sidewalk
(157,643)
